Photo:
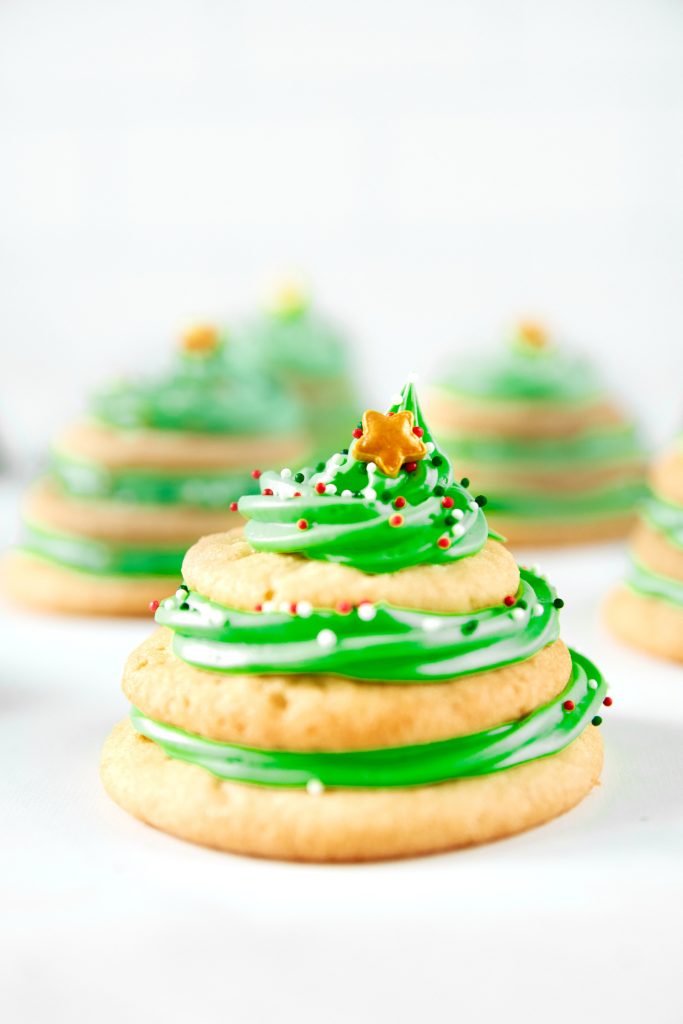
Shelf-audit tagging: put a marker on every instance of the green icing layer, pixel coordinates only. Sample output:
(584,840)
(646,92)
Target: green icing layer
(86,479)
(591,446)
(101,557)
(543,733)
(608,501)
(523,373)
(215,393)
(298,341)
(651,584)
(350,523)
(664,516)
(373,642)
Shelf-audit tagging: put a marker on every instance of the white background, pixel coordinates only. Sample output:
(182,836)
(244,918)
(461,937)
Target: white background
(436,168)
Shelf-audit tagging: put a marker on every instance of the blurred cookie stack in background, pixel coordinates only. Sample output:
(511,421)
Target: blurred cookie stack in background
(158,462)
(533,428)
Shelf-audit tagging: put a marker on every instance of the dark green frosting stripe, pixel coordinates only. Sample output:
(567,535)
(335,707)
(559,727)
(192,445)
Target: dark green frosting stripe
(541,734)
(101,557)
(85,479)
(651,584)
(373,642)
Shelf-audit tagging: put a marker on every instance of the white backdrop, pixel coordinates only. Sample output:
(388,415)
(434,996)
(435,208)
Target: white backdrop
(436,167)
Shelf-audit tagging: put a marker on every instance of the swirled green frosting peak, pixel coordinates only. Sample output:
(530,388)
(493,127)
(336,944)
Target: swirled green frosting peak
(215,389)
(529,367)
(349,511)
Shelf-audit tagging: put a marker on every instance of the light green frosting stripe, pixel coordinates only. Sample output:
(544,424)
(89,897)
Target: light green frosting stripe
(651,584)
(352,525)
(543,733)
(85,479)
(101,557)
(589,447)
(664,516)
(376,642)
(608,501)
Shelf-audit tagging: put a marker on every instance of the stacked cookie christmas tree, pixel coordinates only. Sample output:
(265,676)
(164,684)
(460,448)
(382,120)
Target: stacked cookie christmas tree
(647,610)
(158,463)
(532,426)
(364,672)
(310,357)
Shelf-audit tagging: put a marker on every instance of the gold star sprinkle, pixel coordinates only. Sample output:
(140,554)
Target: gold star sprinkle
(532,333)
(388,441)
(202,339)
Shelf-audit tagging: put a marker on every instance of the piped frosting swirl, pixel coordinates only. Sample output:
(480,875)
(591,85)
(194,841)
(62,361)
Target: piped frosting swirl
(348,511)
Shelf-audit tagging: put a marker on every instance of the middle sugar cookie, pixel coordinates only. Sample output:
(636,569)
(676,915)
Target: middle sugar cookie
(363,673)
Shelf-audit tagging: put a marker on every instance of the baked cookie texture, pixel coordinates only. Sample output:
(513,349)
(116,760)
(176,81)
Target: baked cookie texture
(532,428)
(295,703)
(646,610)
(158,463)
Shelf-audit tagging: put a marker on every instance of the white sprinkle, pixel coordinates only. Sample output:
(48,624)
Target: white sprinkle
(304,609)
(430,446)
(285,606)
(326,638)
(337,459)
(371,467)
(457,513)
(412,378)
(473,505)
(346,493)
(366,611)
(429,625)
(315,787)
(458,530)
(535,569)
(537,610)
(370,493)
(517,613)
(167,603)
(268,606)
(331,489)
(396,399)
(285,473)
(593,684)
(181,594)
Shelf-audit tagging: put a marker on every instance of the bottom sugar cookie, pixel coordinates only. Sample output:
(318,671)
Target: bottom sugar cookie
(343,824)
(649,623)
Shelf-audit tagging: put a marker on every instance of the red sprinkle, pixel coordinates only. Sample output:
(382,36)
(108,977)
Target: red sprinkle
(258,607)
(344,607)
(418,431)
(608,702)
(256,473)
(297,494)
(153,605)
(320,487)
(399,502)
(357,432)
(292,607)
(509,601)
(233,506)
(447,502)
(267,490)
(444,542)
(569,705)
(410,467)
(396,520)
(302,524)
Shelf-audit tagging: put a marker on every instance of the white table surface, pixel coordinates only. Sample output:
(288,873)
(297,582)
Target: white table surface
(104,919)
